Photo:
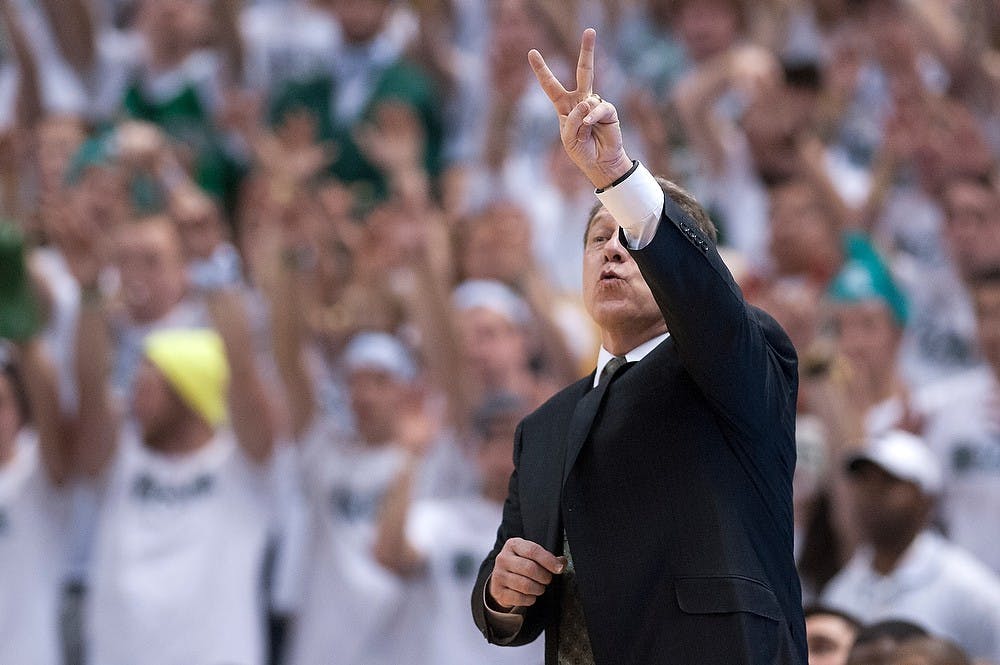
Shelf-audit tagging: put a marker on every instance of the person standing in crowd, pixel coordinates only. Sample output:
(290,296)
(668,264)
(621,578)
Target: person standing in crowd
(346,476)
(903,569)
(681,465)
(35,465)
(830,635)
(437,543)
(180,489)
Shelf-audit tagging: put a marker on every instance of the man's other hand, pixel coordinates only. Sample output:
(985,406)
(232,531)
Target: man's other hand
(521,573)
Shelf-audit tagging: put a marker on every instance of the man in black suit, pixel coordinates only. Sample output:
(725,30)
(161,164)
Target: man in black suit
(649,516)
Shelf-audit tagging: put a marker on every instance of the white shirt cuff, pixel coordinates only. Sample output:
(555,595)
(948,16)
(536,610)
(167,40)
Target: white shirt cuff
(636,204)
(505,625)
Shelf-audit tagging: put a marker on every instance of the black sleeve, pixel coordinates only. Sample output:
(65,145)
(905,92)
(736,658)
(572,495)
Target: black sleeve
(510,527)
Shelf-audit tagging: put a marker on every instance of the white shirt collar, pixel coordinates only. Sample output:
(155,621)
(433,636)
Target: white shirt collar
(635,355)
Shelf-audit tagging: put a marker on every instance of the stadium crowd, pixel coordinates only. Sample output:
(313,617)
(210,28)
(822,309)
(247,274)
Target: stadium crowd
(279,278)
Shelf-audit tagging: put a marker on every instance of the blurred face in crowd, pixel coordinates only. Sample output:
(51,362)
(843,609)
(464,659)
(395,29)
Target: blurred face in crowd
(174,27)
(101,195)
(10,417)
(803,240)
(494,346)
(515,31)
(887,510)
(794,305)
(987,302)
(614,292)
(707,27)
(498,244)
(772,124)
(829,638)
(972,227)
(868,336)
(377,398)
(156,407)
(198,224)
(929,651)
(361,20)
(151,267)
(875,652)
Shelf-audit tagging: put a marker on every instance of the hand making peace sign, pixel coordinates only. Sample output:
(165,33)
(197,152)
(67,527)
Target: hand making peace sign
(588,125)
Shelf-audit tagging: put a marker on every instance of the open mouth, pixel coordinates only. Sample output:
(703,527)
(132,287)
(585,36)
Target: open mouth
(608,275)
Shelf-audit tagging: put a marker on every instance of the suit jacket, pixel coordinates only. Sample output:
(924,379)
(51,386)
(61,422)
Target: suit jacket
(673,482)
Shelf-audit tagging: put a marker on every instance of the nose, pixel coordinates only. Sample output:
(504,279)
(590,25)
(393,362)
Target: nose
(613,249)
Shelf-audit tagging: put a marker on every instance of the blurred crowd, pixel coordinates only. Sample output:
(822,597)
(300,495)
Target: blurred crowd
(279,278)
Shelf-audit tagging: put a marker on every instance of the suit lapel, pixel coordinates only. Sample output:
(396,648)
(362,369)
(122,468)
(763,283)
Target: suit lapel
(579,425)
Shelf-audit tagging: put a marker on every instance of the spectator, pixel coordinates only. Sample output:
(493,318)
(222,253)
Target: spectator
(178,495)
(437,542)
(346,478)
(829,635)
(875,644)
(35,465)
(903,569)
(868,314)
(369,83)
(929,651)
(963,428)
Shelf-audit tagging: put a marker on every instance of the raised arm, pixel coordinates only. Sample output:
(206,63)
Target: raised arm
(249,408)
(29,94)
(43,403)
(73,27)
(729,349)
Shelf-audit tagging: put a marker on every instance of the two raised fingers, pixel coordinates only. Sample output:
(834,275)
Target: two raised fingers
(584,74)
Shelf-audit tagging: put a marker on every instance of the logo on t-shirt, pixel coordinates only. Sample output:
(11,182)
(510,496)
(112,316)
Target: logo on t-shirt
(356,506)
(970,456)
(149,489)
(4,522)
(464,565)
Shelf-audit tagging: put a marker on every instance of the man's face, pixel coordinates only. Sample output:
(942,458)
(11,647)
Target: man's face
(829,638)
(377,398)
(614,292)
(492,345)
(198,224)
(887,510)
(867,335)
(987,301)
(973,226)
(707,27)
(801,236)
(152,269)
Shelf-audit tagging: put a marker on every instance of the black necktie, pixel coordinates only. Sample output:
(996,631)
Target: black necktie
(609,370)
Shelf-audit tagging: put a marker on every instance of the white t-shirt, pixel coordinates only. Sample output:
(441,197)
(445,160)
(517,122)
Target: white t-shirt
(455,535)
(353,609)
(179,558)
(350,602)
(964,430)
(33,520)
(936,585)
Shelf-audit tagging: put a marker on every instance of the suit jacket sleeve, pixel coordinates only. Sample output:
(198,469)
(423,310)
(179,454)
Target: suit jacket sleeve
(510,527)
(739,357)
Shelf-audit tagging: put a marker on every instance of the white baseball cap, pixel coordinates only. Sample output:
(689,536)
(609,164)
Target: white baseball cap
(904,456)
(380,351)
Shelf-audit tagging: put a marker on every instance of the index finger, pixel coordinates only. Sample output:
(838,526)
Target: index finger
(550,84)
(538,554)
(585,63)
